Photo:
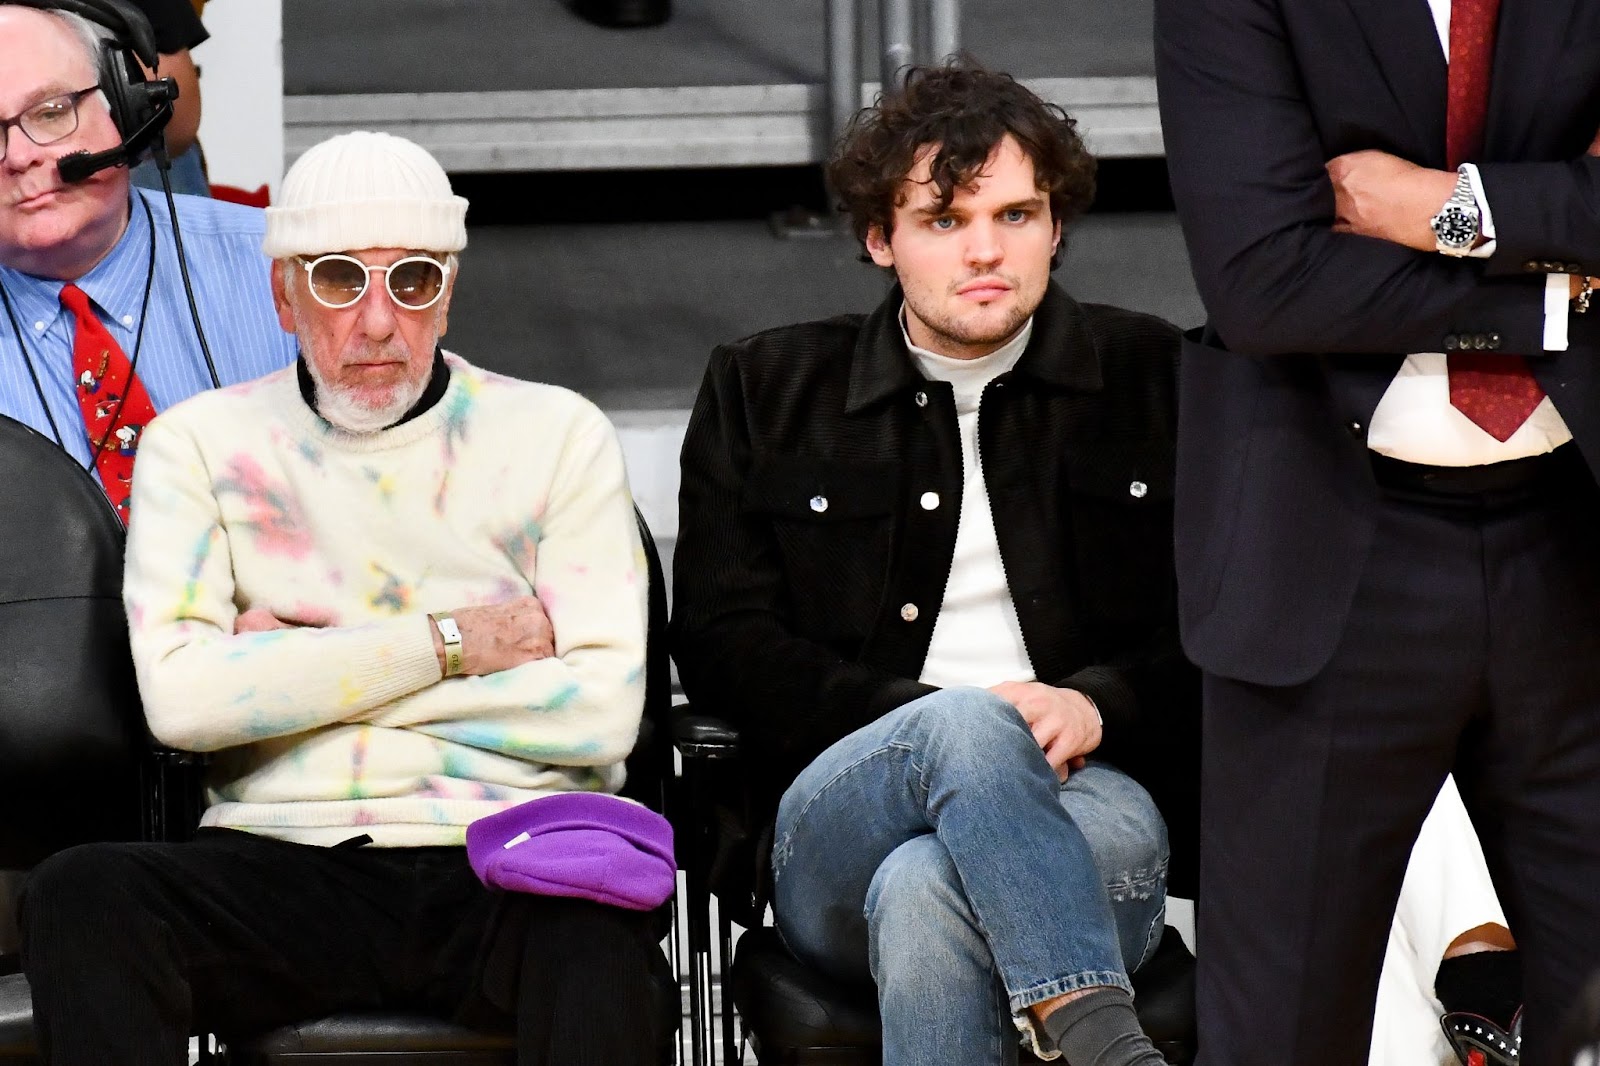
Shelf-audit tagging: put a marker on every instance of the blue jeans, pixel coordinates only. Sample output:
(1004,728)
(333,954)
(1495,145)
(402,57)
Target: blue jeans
(936,853)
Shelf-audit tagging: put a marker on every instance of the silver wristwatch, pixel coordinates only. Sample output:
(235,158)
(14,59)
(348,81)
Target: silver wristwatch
(1459,224)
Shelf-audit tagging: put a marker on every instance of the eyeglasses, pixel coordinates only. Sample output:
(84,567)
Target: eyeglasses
(47,121)
(414,283)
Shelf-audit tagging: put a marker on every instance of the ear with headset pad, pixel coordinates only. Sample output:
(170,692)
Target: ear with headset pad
(140,107)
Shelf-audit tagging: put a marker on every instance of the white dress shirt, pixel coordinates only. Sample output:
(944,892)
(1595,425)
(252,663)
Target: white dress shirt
(977,638)
(1415,422)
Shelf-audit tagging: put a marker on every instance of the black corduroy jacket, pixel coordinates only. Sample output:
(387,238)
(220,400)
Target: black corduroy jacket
(808,575)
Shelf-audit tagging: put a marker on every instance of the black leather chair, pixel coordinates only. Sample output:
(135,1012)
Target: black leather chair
(75,761)
(398,1039)
(791,1014)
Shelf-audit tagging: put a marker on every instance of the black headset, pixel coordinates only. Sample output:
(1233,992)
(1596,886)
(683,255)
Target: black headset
(140,107)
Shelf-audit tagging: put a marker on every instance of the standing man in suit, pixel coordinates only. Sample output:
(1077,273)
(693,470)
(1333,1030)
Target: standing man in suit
(1387,559)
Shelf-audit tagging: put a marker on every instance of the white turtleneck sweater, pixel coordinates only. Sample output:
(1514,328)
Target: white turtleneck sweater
(977,639)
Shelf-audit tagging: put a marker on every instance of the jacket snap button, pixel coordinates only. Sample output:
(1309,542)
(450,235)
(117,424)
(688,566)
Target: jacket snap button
(819,504)
(1138,489)
(929,500)
(921,399)
(909,612)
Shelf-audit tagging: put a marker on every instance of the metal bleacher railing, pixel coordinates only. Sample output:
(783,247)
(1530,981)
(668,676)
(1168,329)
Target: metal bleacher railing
(719,85)
(901,46)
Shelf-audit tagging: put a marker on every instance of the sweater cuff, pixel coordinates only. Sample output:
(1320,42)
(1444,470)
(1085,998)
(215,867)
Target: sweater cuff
(1111,694)
(394,658)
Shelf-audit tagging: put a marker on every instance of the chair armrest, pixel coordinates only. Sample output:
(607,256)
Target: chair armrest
(699,736)
(174,757)
(174,792)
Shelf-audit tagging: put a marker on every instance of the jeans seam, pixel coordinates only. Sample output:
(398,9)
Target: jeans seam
(1152,936)
(783,849)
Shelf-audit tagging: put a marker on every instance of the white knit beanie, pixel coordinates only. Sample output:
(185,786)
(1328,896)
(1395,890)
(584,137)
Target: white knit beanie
(365,190)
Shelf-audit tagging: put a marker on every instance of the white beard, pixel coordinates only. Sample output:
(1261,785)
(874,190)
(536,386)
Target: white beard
(342,410)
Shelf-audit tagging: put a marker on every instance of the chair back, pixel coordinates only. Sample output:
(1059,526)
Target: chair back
(72,735)
(650,763)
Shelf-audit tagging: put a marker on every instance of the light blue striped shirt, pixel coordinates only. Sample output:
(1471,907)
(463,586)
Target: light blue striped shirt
(222,242)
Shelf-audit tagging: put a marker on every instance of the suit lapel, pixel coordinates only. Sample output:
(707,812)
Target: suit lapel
(1401,35)
(1529,43)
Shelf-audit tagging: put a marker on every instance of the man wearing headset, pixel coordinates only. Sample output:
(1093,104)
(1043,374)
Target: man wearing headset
(91,284)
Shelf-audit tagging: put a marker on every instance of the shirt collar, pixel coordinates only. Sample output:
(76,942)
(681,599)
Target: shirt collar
(115,285)
(1060,352)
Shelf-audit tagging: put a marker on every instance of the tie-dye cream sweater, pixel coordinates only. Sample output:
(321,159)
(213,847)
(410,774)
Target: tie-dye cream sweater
(245,498)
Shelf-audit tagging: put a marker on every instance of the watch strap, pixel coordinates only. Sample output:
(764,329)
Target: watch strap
(450,633)
(1463,201)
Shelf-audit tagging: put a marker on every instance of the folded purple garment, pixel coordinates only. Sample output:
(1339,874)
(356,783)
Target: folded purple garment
(584,844)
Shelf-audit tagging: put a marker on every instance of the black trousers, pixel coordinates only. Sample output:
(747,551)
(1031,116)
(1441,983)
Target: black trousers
(1473,644)
(129,948)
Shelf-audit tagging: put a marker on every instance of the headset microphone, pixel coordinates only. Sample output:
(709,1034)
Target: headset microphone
(158,97)
(83,165)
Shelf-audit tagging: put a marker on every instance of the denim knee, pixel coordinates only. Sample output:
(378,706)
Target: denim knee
(1124,829)
(1128,838)
(972,728)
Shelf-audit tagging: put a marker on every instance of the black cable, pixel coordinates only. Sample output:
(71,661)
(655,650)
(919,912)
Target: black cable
(27,361)
(163,164)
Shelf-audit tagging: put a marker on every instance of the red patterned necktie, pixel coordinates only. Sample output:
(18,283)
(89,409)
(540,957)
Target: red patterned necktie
(115,406)
(1497,392)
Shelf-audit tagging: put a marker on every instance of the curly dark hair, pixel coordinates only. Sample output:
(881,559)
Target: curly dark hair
(966,111)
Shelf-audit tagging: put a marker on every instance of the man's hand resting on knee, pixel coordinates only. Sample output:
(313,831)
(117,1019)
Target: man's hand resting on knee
(1064,721)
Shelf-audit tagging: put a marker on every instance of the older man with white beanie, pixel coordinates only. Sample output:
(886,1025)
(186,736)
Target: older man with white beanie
(392,594)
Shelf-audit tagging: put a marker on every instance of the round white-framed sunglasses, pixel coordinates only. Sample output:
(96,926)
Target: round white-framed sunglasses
(338,281)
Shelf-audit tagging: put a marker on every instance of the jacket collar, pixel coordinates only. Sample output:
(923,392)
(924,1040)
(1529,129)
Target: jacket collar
(1061,352)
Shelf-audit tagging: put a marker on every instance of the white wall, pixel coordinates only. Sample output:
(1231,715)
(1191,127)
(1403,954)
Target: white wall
(241,90)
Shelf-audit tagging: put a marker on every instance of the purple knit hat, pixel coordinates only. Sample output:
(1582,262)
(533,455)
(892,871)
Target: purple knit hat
(584,844)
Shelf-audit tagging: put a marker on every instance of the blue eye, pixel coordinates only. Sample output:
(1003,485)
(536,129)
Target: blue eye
(943,223)
(1016,214)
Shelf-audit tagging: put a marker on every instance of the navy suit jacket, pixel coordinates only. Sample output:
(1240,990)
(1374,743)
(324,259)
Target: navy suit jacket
(1276,502)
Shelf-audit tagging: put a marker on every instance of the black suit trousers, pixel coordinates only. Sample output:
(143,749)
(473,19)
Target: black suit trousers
(1473,645)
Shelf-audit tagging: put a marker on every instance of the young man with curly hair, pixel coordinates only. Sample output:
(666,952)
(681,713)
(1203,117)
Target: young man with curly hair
(924,563)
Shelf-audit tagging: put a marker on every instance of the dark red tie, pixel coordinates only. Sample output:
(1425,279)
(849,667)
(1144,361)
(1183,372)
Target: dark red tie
(1496,391)
(115,406)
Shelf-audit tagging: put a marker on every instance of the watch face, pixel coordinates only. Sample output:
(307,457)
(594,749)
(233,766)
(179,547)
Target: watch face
(1455,228)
